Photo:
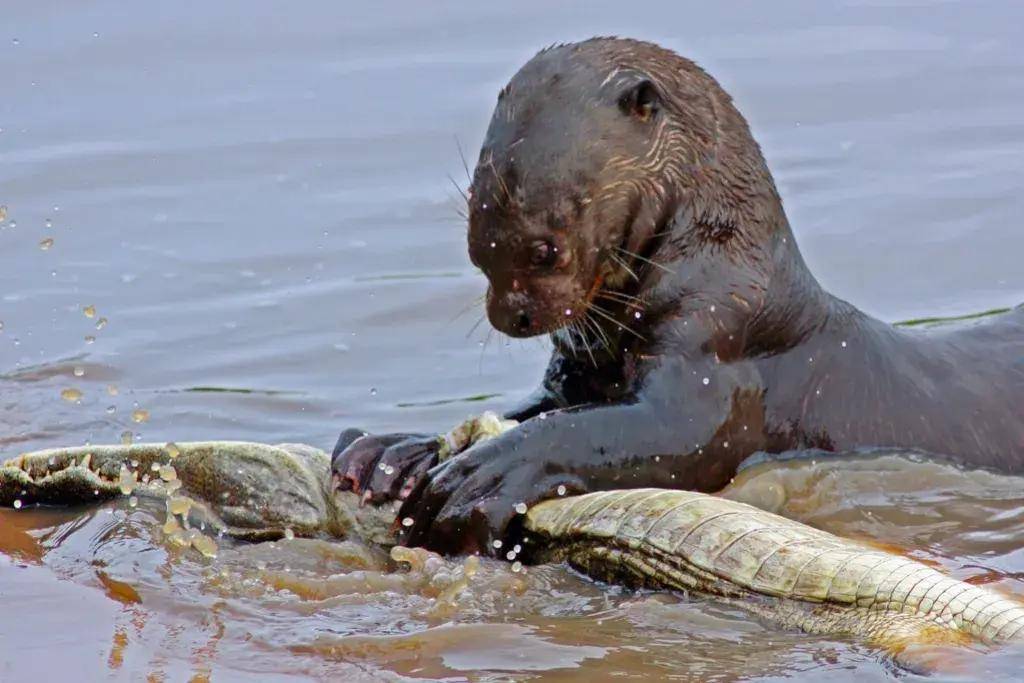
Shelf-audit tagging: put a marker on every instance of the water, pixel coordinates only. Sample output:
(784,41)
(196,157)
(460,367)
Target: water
(254,204)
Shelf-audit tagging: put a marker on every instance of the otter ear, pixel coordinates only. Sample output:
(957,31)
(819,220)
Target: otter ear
(640,100)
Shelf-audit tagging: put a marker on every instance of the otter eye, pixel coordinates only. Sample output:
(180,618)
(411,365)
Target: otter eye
(641,100)
(543,254)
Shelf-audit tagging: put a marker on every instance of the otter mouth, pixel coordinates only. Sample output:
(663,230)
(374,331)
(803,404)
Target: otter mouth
(595,314)
(528,319)
(587,328)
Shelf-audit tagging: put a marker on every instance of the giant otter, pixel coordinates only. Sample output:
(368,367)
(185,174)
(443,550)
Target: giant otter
(621,205)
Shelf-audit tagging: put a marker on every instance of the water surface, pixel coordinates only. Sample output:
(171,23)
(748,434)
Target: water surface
(255,202)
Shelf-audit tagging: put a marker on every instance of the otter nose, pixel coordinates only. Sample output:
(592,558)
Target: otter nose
(522,322)
(512,313)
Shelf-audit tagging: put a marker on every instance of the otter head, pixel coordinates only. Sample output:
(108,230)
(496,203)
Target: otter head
(592,149)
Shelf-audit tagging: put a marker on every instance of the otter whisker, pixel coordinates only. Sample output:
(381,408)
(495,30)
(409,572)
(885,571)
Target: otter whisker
(501,181)
(600,335)
(581,331)
(487,341)
(476,325)
(605,339)
(645,259)
(620,297)
(462,156)
(483,350)
(477,300)
(622,264)
(615,321)
(457,188)
(569,340)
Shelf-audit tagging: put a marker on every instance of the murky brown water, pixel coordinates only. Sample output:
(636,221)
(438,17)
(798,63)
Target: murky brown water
(253,236)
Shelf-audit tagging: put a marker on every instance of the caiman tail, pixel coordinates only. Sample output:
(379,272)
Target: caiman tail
(788,571)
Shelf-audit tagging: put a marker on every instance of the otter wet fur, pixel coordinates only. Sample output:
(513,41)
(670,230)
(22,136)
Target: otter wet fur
(621,205)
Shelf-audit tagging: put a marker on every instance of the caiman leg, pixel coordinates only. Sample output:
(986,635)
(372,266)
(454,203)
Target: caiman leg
(785,571)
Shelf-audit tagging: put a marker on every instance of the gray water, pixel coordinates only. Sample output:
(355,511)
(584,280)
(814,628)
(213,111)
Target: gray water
(256,196)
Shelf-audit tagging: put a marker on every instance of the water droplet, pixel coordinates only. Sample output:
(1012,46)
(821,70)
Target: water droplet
(101,323)
(543,416)
(127,437)
(389,470)
(561,490)
(517,548)
(12,224)
(705,381)
(79,371)
(373,391)
(133,501)
(72,395)
(90,311)
(510,555)
(46,243)
(15,41)
(167,473)
(493,244)
(172,450)
(407,522)
(289,534)
(521,508)
(517,566)
(3,213)
(179,505)
(17,504)
(843,344)
(126,480)
(89,339)
(568,312)
(112,390)
(171,526)
(49,224)
(497,543)
(638,315)
(712,308)
(726,444)
(206,546)
(140,415)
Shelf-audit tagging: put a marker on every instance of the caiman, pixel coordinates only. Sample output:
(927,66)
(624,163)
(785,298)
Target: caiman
(780,569)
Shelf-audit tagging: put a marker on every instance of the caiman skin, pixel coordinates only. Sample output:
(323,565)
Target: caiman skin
(794,574)
(784,571)
(621,204)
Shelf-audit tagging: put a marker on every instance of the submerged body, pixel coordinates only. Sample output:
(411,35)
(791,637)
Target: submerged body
(621,204)
(780,569)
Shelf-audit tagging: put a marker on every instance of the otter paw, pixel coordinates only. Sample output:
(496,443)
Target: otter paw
(382,467)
